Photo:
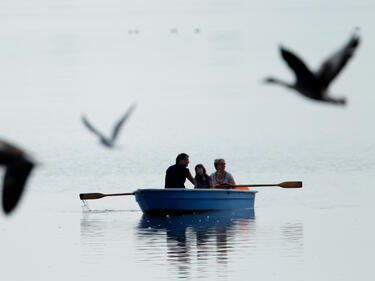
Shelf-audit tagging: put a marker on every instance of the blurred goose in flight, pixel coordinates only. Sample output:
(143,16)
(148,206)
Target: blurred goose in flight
(17,169)
(109,142)
(315,85)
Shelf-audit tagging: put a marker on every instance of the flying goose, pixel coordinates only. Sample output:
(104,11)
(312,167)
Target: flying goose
(109,142)
(17,169)
(315,85)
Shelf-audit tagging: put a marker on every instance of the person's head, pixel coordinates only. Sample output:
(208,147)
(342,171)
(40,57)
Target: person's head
(219,164)
(182,159)
(200,170)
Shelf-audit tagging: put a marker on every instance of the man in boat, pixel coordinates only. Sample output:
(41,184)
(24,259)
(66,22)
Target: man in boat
(177,174)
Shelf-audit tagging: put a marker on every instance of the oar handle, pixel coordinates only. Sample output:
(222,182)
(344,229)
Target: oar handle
(119,194)
(92,196)
(254,185)
(285,184)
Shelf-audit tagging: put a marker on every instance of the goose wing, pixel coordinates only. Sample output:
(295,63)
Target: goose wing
(9,148)
(304,76)
(332,66)
(14,182)
(18,166)
(119,124)
(91,127)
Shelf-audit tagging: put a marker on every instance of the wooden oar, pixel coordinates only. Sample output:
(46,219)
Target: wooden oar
(285,184)
(91,196)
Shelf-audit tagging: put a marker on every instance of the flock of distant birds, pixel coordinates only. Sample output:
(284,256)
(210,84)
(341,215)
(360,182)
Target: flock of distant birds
(313,85)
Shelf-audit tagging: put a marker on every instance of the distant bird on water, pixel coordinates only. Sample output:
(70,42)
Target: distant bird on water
(315,85)
(17,169)
(109,142)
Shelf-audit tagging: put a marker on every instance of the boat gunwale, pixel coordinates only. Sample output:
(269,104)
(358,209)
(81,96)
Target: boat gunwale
(196,190)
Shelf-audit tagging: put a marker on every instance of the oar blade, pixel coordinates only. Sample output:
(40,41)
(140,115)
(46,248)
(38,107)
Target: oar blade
(291,184)
(90,196)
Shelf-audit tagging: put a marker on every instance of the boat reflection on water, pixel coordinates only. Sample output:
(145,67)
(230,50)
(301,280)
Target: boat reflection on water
(196,240)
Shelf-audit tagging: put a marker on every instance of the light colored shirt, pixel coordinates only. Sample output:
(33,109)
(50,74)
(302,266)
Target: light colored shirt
(227,178)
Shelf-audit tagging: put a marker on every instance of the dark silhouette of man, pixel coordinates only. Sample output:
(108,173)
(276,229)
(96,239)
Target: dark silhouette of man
(176,174)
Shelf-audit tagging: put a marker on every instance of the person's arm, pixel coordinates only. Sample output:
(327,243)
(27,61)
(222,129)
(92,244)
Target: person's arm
(212,176)
(166,179)
(231,180)
(191,179)
(210,181)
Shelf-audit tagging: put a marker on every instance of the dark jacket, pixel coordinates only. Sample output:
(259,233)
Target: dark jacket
(176,176)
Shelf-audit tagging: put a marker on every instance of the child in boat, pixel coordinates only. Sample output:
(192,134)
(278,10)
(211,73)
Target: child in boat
(201,177)
(221,178)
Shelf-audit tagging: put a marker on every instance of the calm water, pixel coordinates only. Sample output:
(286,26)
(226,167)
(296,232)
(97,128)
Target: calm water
(195,70)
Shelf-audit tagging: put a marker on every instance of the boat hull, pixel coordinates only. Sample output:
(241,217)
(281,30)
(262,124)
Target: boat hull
(179,200)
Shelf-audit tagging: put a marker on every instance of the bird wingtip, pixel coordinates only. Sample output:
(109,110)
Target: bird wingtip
(283,49)
(356,33)
(134,105)
(268,80)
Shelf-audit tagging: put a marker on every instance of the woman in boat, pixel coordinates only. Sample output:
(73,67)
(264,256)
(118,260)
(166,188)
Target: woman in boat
(201,177)
(221,178)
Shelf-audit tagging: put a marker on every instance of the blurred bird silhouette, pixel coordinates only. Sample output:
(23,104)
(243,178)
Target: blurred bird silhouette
(315,85)
(109,142)
(18,166)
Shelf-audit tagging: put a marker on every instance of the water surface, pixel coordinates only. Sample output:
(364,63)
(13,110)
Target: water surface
(195,69)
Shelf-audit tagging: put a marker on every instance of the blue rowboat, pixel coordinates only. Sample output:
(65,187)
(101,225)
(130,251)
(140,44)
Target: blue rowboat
(180,200)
